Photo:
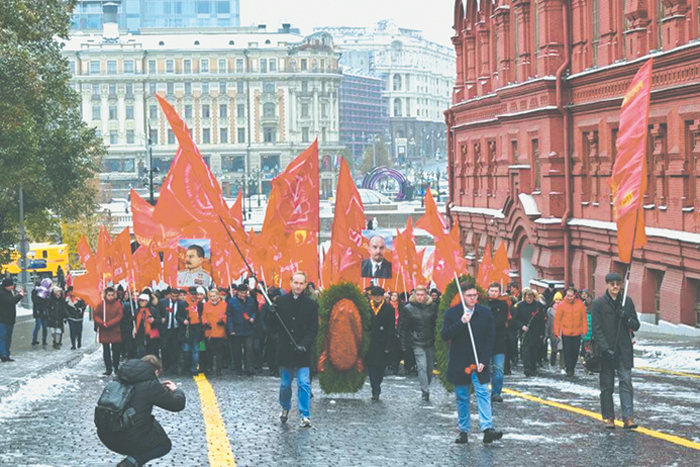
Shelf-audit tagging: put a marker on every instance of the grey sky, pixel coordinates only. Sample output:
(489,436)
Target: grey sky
(433,17)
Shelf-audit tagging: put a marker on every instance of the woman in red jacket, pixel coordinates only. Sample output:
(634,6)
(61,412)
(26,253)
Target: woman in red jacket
(214,323)
(570,323)
(108,316)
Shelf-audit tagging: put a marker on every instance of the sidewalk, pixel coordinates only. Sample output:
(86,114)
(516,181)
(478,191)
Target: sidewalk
(30,363)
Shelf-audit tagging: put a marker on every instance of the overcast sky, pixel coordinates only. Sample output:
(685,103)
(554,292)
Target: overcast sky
(433,17)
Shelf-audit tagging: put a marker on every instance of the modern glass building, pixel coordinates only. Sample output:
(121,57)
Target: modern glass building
(137,15)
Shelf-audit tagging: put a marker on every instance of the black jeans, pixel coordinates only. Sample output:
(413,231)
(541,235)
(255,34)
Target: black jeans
(110,354)
(155,453)
(76,332)
(376,376)
(237,342)
(170,350)
(572,345)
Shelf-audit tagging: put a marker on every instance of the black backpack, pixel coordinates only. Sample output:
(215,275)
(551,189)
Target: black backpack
(114,412)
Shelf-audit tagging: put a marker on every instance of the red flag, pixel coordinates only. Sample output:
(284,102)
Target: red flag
(120,256)
(432,221)
(629,176)
(237,212)
(103,263)
(147,267)
(346,249)
(86,257)
(87,286)
(500,269)
(485,269)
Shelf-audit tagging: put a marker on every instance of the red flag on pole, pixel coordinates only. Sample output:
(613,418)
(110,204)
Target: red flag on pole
(87,287)
(485,268)
(500,268)
(629,176)
(120,256)
(86,257)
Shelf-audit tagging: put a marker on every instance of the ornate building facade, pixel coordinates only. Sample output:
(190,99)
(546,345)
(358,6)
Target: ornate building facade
(531,142)
(253,100)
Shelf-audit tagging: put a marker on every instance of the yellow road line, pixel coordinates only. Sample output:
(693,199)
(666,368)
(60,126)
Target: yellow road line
(219,447)
(670,372)
(655,434)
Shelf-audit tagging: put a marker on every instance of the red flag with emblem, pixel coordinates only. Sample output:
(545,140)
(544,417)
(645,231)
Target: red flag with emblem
(87,259)
(500,268)
(103,262)
(147,267)
(120,256)
(485,268)
(629,175)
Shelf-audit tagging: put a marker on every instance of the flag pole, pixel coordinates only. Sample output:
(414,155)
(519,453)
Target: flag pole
(469,324)
(629,269)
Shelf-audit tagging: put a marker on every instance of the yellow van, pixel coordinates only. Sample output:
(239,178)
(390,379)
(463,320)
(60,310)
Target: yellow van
(42,259)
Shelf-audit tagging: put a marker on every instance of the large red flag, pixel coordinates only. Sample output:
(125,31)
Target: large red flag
(432,221)
(87,287)
(346,249)
(629,176)
(500,268)
(104,264)
(86,257)
(485,268)
(147,267)
(120,256)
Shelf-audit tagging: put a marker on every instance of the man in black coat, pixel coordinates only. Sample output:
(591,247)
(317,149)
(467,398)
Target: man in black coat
(297,325)
(612,324)
(381,340)
(529,317)
(499,310)
(463,367)
(145,439)
(173,313)
(8,314)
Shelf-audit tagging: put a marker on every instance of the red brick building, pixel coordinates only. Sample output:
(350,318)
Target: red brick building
(532,132)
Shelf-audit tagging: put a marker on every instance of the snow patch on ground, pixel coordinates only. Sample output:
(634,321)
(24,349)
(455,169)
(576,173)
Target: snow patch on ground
(561,386)
(668,358)
(38,389)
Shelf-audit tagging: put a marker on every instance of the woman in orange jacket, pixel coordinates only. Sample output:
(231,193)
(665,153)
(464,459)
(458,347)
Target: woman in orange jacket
(570,323)
(214,322)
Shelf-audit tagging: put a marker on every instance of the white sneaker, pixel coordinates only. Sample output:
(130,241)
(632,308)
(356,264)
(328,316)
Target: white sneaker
(284,416)
(305,422)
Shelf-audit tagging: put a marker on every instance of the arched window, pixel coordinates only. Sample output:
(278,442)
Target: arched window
(397,82)
(397,107)
(268,110)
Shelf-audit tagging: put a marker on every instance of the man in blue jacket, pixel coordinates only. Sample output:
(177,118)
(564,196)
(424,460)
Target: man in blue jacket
(462,367)
(241,313)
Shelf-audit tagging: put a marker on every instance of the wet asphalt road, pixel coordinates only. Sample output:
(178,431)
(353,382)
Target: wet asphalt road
(49,422)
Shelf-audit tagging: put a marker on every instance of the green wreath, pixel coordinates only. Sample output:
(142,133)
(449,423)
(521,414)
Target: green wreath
(441,350)
(331,380)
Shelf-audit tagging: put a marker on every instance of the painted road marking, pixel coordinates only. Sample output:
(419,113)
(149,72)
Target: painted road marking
(219,447)
(655,434)
(670,372)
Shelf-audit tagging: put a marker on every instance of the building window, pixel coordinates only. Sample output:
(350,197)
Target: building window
(536,168)
(203,7)
(188,66)
(222,65)
(269,134)
(305,135)
(222,88)
(153,136)
(240,111)
(112,112)
(304,66)
(152,88)
(153,112)
(397,82)
(188,111)
(592,266)
(170,88)
(397,107)
(206,135)
(128,66)
(94,67)
(152,66)
(111,67)
(304,110)
(206,111)
(129,90)
(171,137)
(240,87)
(268,87)
(241,135)
(239,65)
(112,91)
(96,90)
(129,112)
(292,66)
(272,64)
(223,135)
(170,66)
(223,111)
(268,110)
(658,281)
(130,139)
(96,112)
(188,89)
(204,65)
(324,110)
(205,89)
(113,138)
(304,85)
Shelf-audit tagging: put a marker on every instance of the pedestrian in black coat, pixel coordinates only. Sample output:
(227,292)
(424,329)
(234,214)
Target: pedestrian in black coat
(529,316)
(8,315)
(56,316)
(145,440)
(499,310)
(381,341)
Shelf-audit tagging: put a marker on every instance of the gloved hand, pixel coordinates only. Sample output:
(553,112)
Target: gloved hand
(273,308)
(300,349)
(609,354)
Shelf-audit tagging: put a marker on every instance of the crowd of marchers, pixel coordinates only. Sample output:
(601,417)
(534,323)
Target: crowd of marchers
(238,330)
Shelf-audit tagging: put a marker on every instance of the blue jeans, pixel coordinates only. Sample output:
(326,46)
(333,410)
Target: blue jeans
(39,323)
(192,345)
(497,362)
(303,389)
(5,339)
(483,400)
(425,358)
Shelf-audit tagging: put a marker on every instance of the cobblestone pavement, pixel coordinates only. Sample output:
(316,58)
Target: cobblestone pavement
(49,422)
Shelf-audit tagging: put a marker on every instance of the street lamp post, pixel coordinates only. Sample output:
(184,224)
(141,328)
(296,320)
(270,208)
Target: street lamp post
(150,171)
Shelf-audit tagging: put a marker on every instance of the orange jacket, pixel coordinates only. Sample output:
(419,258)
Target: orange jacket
(570,318)
(214,316)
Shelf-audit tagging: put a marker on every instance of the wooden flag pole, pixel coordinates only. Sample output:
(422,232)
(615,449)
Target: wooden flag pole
(469,324)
